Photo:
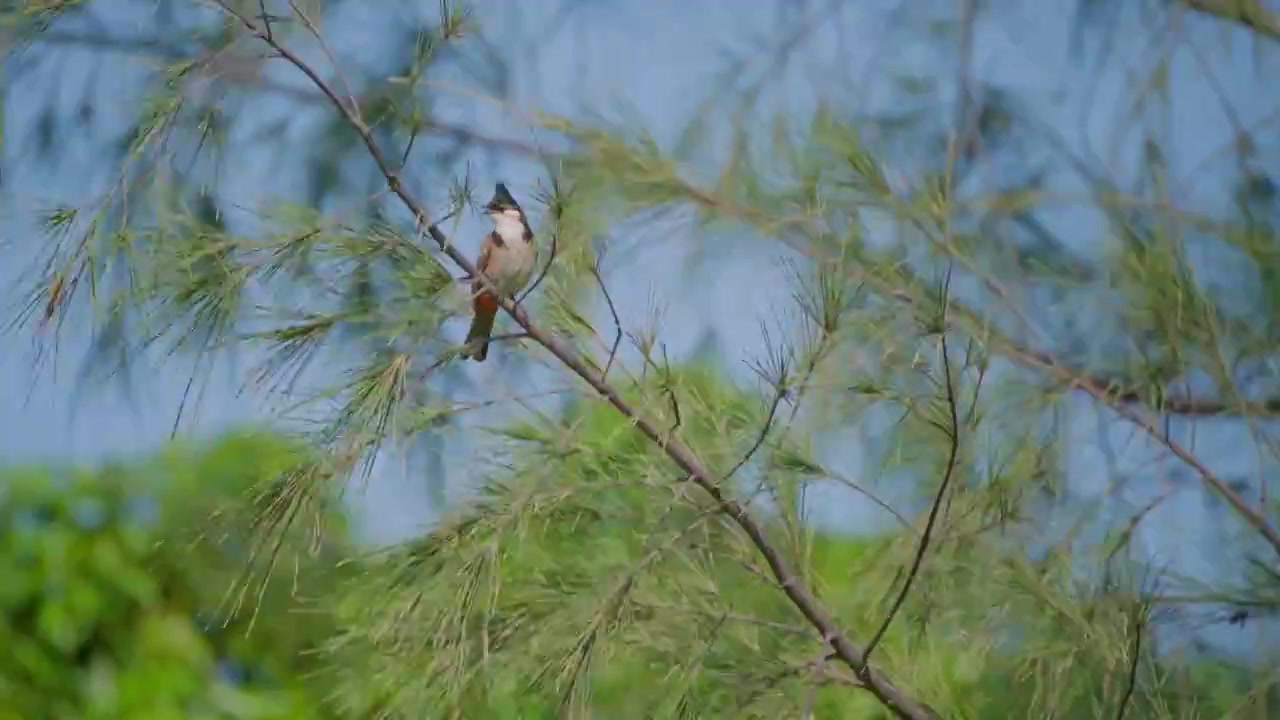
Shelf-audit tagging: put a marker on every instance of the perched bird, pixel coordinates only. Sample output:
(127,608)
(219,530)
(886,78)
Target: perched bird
(507,257)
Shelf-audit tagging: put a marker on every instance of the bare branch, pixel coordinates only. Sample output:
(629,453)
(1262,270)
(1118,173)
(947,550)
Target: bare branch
(780,391)
(894,698)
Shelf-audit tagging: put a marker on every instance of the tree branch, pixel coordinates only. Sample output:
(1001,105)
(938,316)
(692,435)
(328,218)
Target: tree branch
(894,698)
(1252,517)
(1184,405)
(1249,13)
(1104,391)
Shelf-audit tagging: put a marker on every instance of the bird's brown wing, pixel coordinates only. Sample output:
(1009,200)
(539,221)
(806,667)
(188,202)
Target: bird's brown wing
(483,300)
(482,261)
(484,303)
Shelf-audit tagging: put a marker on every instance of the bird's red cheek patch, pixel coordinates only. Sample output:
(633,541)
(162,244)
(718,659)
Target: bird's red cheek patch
(486,302)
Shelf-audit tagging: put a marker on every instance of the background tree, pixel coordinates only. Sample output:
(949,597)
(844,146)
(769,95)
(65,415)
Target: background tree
(115,605)
(946,312)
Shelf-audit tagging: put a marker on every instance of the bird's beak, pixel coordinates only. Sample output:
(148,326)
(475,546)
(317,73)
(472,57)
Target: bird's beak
(493,207)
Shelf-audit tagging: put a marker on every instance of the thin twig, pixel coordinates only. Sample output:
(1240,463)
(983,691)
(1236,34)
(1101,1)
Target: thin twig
(873,498)
(669,388)
(675,409)
(617,323)
(780,391)
(1132,681)
(408,148)
(509,336)
(952,432)
(546,267)
(953,454)
(555,201)
(1126,535)
(266,18)
(333,60)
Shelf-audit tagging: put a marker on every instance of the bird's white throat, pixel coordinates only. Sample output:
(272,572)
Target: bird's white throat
(508,225)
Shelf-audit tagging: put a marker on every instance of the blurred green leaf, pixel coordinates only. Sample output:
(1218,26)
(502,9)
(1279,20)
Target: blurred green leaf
(111,611)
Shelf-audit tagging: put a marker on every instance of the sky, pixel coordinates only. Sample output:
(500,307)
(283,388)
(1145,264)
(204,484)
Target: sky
(650,63)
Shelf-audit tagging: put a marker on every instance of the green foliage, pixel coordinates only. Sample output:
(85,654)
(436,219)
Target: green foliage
(504,614)
(114,605)
(588,578)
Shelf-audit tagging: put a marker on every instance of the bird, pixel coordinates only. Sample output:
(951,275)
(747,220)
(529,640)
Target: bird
(507,257)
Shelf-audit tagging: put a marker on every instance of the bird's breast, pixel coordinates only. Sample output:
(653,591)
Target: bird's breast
(511,261)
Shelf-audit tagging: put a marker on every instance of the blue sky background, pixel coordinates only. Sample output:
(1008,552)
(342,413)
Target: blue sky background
(652,62)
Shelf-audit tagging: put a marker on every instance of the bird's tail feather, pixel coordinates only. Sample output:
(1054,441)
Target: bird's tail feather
(478,336)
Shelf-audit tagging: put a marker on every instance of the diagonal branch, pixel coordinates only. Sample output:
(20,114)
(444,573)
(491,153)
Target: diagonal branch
(1090,386)
(1122,392)
(898,701)
(1249,13)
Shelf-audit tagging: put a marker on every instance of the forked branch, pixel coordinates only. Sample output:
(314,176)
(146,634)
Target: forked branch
(901,703)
